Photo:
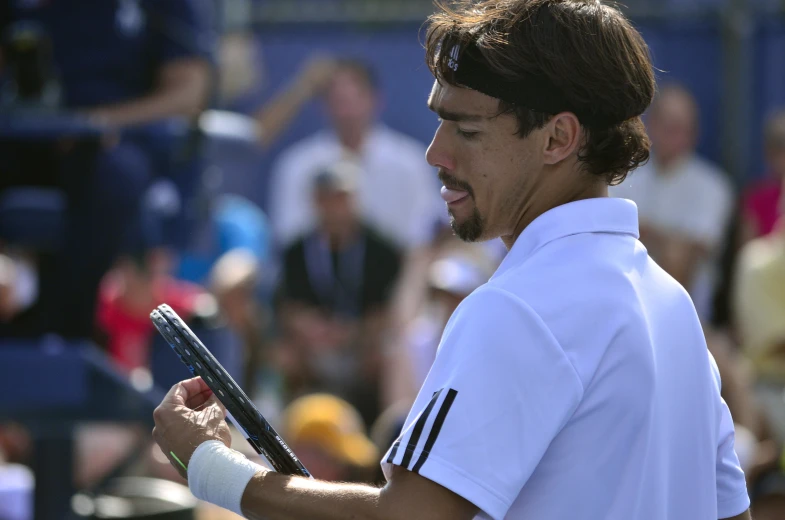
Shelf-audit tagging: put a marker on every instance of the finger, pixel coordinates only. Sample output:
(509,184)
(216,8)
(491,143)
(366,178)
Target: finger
(213,413)
(196,401)
(180,393)
(217,405)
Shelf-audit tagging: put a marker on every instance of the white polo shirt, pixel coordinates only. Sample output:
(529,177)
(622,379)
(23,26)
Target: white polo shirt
(693,199)
(576,383)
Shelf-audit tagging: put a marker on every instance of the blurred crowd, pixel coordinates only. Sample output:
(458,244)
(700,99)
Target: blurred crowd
(328,306)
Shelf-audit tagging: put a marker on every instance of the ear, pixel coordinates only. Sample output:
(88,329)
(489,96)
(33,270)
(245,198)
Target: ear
(563,137)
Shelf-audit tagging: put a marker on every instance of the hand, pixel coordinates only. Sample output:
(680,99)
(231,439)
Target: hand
(316,74)
(188,416)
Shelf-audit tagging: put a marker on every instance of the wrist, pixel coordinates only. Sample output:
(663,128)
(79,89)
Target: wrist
(219,475)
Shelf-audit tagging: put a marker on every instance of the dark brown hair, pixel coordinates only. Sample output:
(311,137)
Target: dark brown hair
(588,50)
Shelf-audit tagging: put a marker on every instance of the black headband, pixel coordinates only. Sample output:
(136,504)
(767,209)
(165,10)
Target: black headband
(466,67)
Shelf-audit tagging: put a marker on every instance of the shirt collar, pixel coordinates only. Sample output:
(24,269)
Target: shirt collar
(598,215)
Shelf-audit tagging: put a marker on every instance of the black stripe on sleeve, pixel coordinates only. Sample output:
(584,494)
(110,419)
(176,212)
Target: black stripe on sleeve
(394,451)
(437,426)
(415,438)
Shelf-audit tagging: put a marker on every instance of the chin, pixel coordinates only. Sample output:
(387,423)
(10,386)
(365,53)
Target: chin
(469,230)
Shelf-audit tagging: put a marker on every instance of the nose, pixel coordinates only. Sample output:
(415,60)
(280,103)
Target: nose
(439,154)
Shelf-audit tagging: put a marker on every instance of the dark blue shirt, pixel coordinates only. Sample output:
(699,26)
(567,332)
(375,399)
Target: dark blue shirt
(108,51)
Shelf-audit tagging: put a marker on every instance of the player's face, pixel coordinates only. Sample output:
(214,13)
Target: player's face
(489,173)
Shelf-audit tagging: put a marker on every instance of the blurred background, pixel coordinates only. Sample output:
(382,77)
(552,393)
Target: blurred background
(259,166)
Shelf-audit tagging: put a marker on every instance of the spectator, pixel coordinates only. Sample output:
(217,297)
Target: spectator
(329,437)
(334,296)
(140,62)
(234,280)
(230,223)
(127,295)
(451,279)
(397,193)
(684,201)
(759,304)
(761,199)
(18,284)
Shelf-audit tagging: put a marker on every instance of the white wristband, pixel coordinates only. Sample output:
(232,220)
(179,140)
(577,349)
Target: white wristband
(219,475)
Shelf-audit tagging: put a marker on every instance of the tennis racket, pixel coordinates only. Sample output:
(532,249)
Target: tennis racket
(240,410)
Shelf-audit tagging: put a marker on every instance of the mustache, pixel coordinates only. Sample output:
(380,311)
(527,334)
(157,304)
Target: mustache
(453,183)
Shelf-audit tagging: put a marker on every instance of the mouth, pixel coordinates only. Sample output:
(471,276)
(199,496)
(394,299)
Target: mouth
(453,196)
(454,190)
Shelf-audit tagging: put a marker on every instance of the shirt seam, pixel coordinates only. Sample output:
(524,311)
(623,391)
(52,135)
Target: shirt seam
(528,307)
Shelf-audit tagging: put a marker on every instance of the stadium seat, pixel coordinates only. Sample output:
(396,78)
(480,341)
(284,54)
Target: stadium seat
(33,217)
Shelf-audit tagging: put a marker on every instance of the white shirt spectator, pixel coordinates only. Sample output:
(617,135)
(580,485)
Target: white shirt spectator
(577,383)
(694,199)
(398,192)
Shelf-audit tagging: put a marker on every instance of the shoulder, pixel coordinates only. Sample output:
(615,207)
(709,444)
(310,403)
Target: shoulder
(231,208)
(402,146)
(494,312)
(379,243)
(709,176)
(295,249)
(312,149)
(495,334)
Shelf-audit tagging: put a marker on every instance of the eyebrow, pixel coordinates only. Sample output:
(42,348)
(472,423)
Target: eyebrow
(448,115)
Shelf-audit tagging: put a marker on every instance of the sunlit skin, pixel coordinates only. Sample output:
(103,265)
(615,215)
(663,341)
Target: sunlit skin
(506,180)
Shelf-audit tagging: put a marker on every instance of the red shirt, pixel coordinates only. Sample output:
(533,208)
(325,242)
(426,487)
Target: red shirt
(761,204)
(129,332)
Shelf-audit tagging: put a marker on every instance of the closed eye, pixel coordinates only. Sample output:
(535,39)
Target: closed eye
(464,134)
(467,135)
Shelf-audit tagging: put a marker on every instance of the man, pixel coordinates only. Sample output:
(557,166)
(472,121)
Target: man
(576,382)
(396,192)
(334,294)
(684,201)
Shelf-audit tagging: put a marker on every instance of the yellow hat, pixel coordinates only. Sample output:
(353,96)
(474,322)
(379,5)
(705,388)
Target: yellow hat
(334,425)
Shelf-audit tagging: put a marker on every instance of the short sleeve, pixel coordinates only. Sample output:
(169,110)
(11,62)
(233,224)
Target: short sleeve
(498,393)
(183,29)
(732,497)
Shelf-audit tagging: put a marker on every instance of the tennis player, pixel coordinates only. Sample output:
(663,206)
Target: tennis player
(576,383)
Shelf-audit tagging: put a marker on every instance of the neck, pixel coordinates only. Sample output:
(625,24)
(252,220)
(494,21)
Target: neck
(664,164)
(340,238)
(540,205)
(353,139)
